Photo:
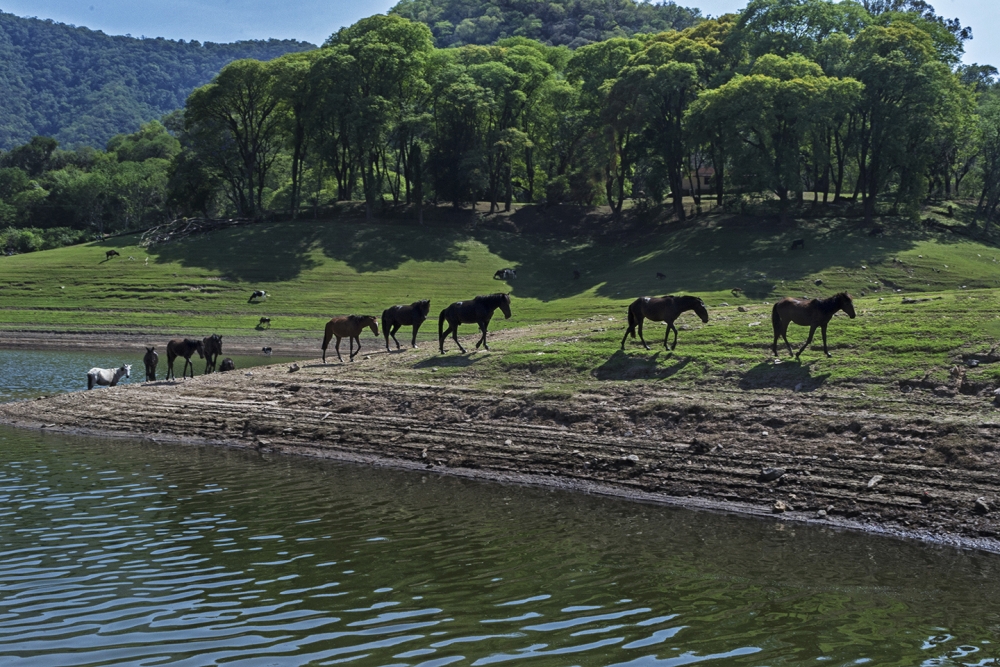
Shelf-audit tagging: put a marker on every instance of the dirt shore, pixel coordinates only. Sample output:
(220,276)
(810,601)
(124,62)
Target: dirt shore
(914,464)
(47,340)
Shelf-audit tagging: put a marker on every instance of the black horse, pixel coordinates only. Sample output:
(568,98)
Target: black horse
(151,359)
(213,348)
(505,274)
(661,309)
(227,365)
(478,311)
(396,316)
(183,348)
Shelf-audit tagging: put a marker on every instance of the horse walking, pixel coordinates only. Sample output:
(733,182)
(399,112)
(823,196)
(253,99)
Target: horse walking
(810,313)
(183,348)
(151,359)
(477,311)
(661,309)
(349,326)
(107,377)
(395,317)
(213,349)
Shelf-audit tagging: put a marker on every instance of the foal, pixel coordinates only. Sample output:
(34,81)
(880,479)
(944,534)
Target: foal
(349,326)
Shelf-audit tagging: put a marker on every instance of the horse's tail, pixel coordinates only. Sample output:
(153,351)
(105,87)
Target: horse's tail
(327,335)
(631,318)
(385,325)
(441,319)
(775,319)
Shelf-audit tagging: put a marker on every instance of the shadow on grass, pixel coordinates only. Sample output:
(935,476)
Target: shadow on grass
(454,361)
(786,375)
(624,366)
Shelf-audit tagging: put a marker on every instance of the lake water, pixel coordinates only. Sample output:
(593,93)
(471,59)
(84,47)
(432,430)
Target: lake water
(121,552)
(30,373)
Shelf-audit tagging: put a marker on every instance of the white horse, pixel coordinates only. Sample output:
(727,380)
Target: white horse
(108,377)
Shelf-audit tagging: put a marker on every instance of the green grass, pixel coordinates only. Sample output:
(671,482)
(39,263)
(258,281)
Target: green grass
(314,270)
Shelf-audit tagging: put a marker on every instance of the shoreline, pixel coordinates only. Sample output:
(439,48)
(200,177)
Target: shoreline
(912,467)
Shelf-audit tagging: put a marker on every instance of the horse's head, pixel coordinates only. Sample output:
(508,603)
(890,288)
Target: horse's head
(150,350)
(372,323)
(846,304)
(505,305)
(698,306)
(423,307)
(199,348)
(128,370)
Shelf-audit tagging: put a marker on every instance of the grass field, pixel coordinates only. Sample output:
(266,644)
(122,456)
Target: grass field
(314,270)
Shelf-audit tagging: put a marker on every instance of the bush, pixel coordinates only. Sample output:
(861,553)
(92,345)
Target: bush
(32,239)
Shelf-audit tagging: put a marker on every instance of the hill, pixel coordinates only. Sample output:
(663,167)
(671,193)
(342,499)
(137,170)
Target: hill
(82,86)
(554,22)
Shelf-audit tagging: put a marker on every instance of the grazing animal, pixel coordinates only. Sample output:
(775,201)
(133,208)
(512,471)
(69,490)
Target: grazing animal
(111,253)
(107,377)
(257,294)
(131,258)
(505,274)
(810,313)
(397,316)
(263,321)
(183,348)
(798,243)
(151,359)
(661,309)
(477,311)
(266,351)
(660,276)
(576,275)
(876,231)
(349,326)
(227,365)
(736,291)
(213,349)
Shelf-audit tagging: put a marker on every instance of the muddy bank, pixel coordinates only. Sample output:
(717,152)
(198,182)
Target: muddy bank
(915,465)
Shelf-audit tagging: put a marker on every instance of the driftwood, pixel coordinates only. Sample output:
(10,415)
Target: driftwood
(185,227)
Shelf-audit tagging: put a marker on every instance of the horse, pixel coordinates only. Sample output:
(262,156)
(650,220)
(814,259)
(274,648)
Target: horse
(266,351)
(263,321)
(107,377)
(349,326)
(257,294)
(477,311)
(111,253)
(576,274)
(798,243)
(396,316)
(736,291)
(810,313)
(661,309)
(213,348)
(505,274)
(227,365)
(660,276)
(151,359)
(183,348)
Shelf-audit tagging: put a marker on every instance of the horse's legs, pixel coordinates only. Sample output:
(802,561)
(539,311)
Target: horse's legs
(337,347)
(812,331)
(784,335)
(628,330)
(392,332)
(416,328)
(644,343)
(674,327)
(351,339)
(482,327)
(823,330)
(454,335)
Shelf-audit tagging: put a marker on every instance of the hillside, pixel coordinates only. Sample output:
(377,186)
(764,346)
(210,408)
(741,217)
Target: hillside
(553,22)
(82,86)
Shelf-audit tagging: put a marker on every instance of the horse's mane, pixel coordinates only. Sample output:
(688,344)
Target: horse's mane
(494,296)
(832,302)
(360,318)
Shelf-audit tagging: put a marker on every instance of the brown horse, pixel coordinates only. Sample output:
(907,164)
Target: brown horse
(151,359)
(213,348)
(810,313)
(348,326)
(396,316)
(183,348)
(477,311)
(661,309)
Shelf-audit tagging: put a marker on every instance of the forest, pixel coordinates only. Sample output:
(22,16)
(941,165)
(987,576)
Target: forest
(788,102)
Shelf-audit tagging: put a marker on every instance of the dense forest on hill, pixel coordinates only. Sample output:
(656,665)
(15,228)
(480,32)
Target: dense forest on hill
(571,23)
(81,86)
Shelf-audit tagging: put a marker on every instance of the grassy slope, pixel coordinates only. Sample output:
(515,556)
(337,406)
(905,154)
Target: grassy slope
(315,270)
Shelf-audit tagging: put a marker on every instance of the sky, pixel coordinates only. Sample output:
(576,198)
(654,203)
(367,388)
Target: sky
(315,20)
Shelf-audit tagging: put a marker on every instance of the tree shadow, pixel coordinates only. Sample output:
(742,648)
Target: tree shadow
(786,375)
(384,247)
(625,366)
(453,361)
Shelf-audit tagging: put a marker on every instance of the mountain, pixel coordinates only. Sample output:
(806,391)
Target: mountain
(556,22)
(82,86)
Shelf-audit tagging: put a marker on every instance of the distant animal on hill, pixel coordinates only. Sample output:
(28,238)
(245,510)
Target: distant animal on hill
(876,231)
(661,309)
(183,348)
(350,327)
(576,275)
(505,274)
(213,349)
(477,311)
(266,351)
(810,313)
(736,291)
(798,243)
(395,317)
(227,365)
(107,377)
(131,258)
(150,360)
(257,294)
(263,321)
(111,253)
(660,276)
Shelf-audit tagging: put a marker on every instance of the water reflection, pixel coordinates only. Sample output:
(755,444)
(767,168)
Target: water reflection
(135,553)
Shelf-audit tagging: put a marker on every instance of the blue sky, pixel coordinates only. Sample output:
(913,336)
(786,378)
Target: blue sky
(315,20)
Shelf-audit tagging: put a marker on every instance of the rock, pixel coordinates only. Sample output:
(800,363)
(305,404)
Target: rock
(821,513)
(981,506)
(754,324)
(771,474)
(764,433)
(874,480)
(742,309)
(508,442)
(723,304)
(293,368)
(628,434)
(944,392)
(864,267)
(973,363)
(631,458)
(780,506)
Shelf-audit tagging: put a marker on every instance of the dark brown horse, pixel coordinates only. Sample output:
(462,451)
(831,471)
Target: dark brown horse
(348,326)
(183,348)
(213,348)
(810,313)
(661,309)
(151,359)
(396,316)
(477,311)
